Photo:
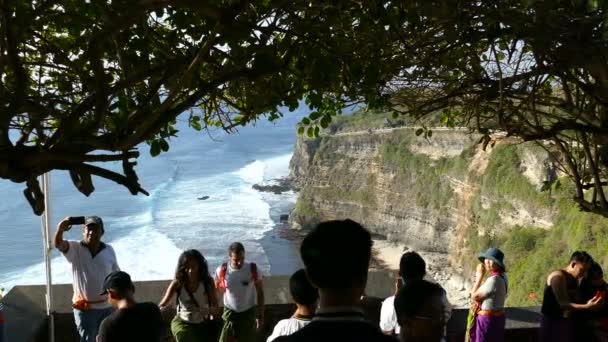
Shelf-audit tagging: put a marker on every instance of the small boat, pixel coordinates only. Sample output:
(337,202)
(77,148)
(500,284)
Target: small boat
(203,198)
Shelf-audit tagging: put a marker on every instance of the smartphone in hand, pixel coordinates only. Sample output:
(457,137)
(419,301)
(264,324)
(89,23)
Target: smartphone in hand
(74,220)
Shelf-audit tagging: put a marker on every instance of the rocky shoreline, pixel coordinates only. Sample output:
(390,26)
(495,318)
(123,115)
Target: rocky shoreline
(276,186)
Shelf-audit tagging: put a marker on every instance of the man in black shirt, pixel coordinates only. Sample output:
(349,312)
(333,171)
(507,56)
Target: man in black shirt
(131,321)
(336,255)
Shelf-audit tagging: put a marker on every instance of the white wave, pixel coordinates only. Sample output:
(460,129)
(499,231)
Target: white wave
(148,244)
(252,173)
(146,254)
(277,167)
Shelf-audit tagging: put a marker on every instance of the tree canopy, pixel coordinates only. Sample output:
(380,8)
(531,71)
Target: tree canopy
(86,82)
(537,70)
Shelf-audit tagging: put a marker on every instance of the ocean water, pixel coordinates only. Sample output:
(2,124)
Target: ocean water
(149,233)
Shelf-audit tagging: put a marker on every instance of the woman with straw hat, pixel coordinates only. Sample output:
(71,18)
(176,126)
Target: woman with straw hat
(489,324)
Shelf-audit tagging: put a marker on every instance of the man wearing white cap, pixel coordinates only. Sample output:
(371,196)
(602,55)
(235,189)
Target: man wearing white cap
(91,261)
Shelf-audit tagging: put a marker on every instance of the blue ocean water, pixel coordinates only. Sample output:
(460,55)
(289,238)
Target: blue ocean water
(148,233)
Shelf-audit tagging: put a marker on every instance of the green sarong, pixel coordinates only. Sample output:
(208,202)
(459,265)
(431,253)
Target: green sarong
(471,317)
(188,332)
(238,326)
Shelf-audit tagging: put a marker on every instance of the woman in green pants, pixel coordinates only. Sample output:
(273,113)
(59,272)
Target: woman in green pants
(196,299)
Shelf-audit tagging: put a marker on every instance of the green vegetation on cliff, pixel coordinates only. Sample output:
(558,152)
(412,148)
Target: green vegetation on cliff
(415,172)
(530,252)
(428,179)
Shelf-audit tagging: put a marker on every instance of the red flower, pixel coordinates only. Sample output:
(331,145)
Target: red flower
(532,296)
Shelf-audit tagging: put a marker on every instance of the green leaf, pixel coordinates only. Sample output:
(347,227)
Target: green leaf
(310,132)
(164,145)
(317,131)
(196,125)
(546,186)
(419,131)
(300,130)
(557,184)
(306,121)
(325,121)
(154,148)
(429,133)
(314,115)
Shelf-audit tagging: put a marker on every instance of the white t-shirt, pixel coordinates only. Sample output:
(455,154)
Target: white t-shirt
(88,272)
(388,316)
(240,293)
(495,287)
(287,327)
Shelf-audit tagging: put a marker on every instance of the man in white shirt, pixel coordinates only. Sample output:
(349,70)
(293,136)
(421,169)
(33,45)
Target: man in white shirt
(243,296)
(91,261)
(388,316)
(305,296)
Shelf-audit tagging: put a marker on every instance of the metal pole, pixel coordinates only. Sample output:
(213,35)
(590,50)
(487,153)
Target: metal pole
(46,223)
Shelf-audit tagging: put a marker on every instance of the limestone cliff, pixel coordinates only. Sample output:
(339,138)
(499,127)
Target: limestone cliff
(444,196)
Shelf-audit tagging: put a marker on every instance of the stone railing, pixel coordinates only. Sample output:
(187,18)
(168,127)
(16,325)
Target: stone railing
(26,321)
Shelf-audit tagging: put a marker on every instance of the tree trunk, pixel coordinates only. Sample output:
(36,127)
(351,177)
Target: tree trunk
(595,171)
(573,170)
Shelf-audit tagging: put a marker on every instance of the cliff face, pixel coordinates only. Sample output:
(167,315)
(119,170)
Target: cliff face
(407,188)
(444,195)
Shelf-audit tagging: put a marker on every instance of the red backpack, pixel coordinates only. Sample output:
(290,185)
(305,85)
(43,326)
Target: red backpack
(221,282)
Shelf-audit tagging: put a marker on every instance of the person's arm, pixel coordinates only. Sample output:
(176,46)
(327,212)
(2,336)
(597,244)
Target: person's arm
(558,286)
(59,242)
(479,273)
(216,279)
(168,295)
(259,289)
(214,306)
(486,290)
(115,267)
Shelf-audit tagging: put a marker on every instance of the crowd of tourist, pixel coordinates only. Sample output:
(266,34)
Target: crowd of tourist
(327,293)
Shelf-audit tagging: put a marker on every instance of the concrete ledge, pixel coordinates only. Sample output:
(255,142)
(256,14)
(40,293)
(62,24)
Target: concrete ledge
(26,321)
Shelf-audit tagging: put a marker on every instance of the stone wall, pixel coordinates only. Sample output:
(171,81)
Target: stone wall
(26,321)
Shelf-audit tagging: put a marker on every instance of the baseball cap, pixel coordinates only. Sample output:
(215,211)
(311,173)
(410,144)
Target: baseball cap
(93,220)
(119,281)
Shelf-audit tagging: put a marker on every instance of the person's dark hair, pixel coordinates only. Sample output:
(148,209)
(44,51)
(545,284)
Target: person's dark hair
(301,289)
(337,254)
(236,248)
(412,266)
(419,309)
(595,271)
(581,257)
(181,274)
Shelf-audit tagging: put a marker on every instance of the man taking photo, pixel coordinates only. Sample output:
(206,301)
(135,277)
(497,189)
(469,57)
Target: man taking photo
(91,261)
